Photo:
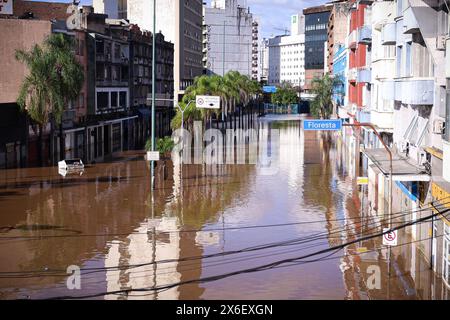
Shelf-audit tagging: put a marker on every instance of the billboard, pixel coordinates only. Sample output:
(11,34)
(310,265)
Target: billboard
(6,6)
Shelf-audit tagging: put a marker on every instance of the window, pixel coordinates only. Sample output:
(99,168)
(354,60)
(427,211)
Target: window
(446,255)
(102,100)
(123,99)
(408,59)
(114,99)
(399,62)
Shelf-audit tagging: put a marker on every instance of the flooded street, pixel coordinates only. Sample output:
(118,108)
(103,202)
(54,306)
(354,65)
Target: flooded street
(202,221)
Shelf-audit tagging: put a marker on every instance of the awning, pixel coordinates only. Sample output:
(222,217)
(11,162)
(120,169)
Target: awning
(402,170)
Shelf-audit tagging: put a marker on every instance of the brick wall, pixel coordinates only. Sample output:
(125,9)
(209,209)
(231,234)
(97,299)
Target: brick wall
(42,10)
(17,34)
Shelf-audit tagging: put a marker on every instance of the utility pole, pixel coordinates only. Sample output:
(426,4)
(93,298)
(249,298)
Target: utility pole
(153,92)
(223,62)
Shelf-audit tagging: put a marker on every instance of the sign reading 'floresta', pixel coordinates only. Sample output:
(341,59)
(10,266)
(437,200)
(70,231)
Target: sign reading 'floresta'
(322,125)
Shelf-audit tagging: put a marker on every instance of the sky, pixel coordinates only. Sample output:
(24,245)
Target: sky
(273,14)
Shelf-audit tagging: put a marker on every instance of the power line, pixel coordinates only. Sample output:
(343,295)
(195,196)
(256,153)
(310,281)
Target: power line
(290,242)
(254,269)
(406,212)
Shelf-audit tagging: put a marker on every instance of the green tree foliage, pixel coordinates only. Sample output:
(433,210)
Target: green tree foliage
(285,95)
(233,88)
(323,88)
(54,78)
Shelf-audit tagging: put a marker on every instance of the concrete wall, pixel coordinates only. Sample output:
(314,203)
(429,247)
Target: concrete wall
(17,34)
(237,36)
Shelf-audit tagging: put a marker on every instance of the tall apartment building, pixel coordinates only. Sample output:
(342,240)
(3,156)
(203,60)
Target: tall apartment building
(287,56)
(398,79)
(230,38)
(337,29)
(359,75)
(179,21)
(383,71)
(263,60)
(316,34)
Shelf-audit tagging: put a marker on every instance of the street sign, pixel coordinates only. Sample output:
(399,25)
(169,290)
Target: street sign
(362,181)
(322,125)
(152,155)
(269,89)
(389,238)
(207,102)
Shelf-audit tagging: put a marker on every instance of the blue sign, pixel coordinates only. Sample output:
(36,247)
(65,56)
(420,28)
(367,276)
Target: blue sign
(269,89)
(325,125)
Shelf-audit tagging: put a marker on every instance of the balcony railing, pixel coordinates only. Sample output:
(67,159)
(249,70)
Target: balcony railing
(352,38)
(364,75)
(388,90)
(415,91)
(365,34)
(388,34)
(352,75)
(410,24)
(383,68)
(383,120)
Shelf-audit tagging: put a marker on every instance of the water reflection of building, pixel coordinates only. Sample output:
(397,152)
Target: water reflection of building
(138,248)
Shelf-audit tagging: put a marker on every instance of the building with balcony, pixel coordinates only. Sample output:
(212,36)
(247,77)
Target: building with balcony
(337,30)
(383,71)
(30,23)
(179,21)
(232,38)
(359,56)
(409,107)
(263,60)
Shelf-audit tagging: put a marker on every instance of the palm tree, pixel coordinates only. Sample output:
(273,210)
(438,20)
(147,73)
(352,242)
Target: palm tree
(233,88)
(38,95)
(323,88)
(70,75)
(53,80)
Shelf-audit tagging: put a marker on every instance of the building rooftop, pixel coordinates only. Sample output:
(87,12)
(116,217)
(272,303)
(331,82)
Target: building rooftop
(323,8)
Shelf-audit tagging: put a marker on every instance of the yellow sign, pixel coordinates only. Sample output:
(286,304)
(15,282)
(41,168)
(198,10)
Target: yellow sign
(362,180)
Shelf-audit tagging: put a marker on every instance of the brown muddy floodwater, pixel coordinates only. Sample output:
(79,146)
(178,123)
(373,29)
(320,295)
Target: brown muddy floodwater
(108,222)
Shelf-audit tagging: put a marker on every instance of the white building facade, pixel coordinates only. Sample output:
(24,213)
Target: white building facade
(287,55)
(230,38)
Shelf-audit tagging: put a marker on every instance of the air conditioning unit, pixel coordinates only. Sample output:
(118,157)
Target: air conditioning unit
(440,42)
(403,146)
(438,126)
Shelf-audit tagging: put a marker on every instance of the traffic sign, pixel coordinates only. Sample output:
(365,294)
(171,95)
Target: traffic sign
(152,155)
(362,181)
(322,125)
(389,238)
(269,89)
(207,102)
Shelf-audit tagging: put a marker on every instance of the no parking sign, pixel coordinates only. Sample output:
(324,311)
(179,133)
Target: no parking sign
(390,237)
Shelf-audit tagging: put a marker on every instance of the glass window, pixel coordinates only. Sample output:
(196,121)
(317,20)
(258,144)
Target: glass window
(114,99)
(102,100)
(123,99)
(408,59)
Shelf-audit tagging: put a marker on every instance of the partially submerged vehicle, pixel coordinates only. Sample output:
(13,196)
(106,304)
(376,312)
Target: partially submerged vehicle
(70,166)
